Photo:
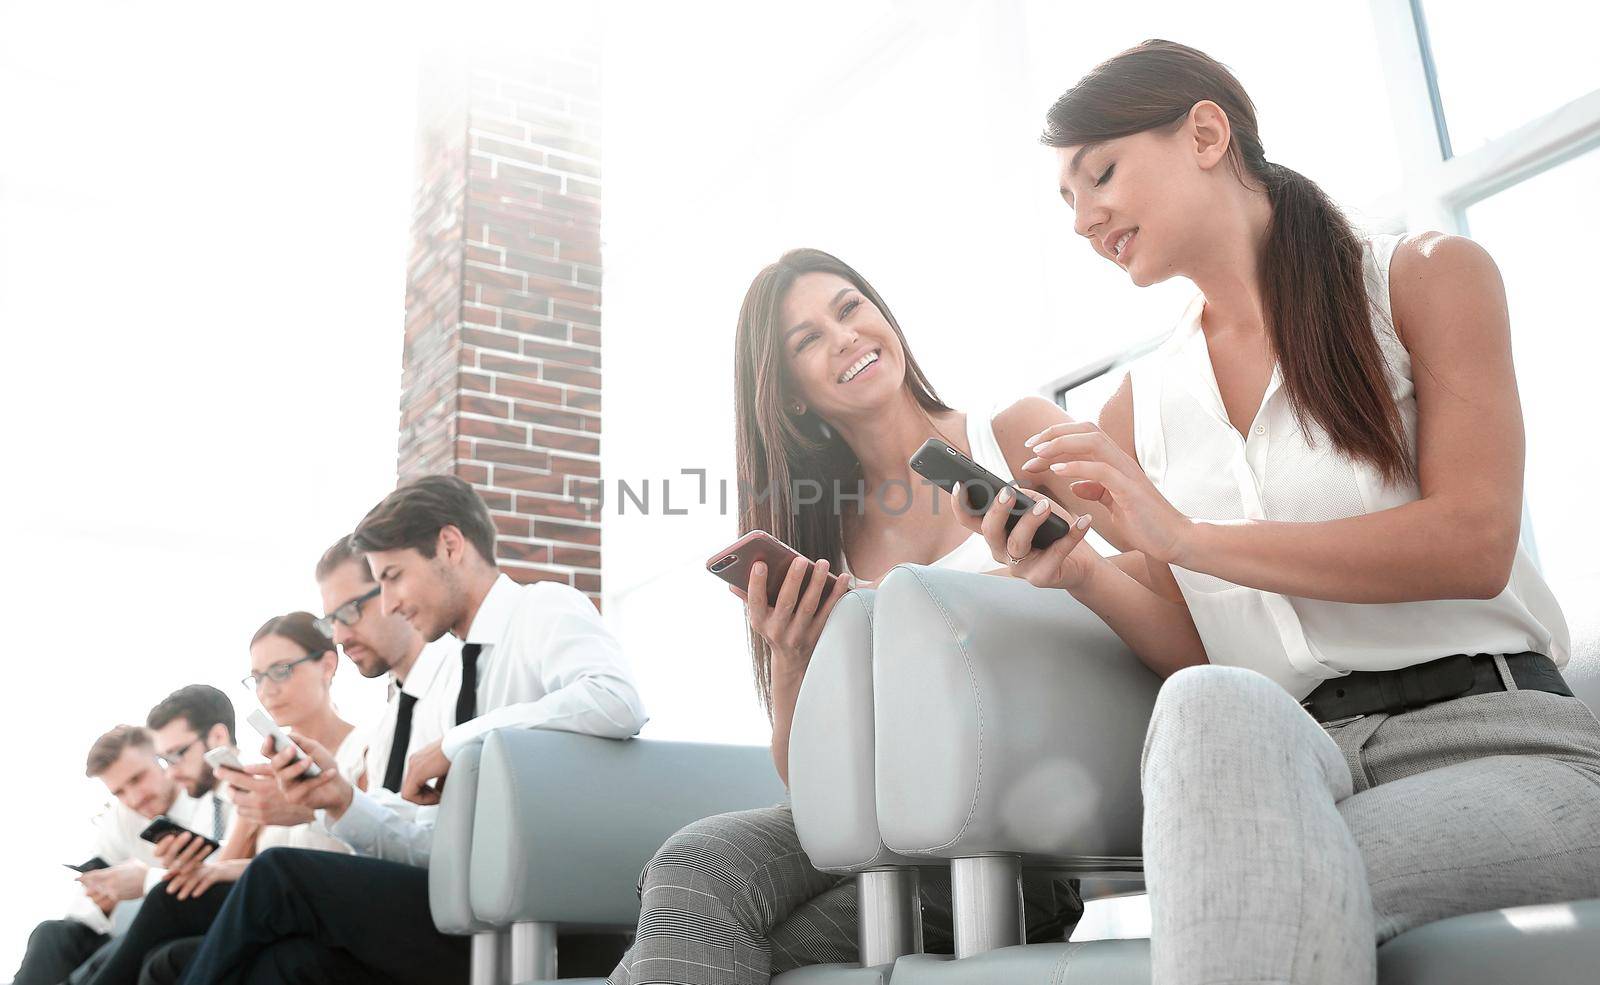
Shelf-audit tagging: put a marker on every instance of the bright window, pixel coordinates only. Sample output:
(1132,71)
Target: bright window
(1540,232)
(1497,70)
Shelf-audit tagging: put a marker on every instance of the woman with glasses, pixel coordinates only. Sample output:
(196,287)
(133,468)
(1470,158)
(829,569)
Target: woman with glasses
(292,663)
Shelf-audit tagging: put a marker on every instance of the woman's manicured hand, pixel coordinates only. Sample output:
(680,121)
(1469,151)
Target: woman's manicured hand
(793,624)
(1064,564)
(1100,471)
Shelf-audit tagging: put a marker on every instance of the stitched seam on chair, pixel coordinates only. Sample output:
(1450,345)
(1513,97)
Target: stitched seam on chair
(1059,972)
(872,648)
(515,769)
(966,658)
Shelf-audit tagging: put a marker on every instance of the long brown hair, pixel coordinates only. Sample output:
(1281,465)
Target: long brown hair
(777,451)
(1313,286)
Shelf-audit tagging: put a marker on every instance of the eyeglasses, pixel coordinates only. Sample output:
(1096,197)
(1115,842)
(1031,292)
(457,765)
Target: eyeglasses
(278,673)
(171,759)
(349,613)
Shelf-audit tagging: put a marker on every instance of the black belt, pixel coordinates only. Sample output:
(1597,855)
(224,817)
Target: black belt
(1457,676)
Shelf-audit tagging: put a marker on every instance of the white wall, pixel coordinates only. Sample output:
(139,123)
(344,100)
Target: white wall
(903,138)
(203,230)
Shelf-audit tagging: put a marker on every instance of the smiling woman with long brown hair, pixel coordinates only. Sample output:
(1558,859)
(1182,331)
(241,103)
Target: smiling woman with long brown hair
(831,407)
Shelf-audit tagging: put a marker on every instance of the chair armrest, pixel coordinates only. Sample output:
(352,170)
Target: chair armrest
(450,856)
(566,822)
(832,783)
(1009,720)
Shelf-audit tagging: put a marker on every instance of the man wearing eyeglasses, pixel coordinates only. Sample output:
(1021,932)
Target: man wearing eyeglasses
(532,656)
(186,724)
(125,760)
(379,643)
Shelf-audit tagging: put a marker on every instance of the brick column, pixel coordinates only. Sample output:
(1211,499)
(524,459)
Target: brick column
(501,377)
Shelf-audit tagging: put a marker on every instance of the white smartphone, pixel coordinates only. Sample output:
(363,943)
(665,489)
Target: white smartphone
(264,725)
(224,756)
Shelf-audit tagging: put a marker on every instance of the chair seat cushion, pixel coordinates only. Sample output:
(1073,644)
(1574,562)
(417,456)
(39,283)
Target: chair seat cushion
(1125,962)
(1530,945)
(834,974)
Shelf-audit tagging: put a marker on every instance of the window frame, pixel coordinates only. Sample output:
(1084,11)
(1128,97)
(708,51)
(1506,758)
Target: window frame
(1438,186)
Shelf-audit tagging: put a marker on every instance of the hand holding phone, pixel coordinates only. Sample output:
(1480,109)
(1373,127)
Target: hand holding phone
(267,728)
(224,756)
(92,865)
(945,466)
(161,826)
(733,563)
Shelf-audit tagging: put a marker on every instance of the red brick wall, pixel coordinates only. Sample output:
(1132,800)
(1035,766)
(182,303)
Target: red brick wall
(501,381)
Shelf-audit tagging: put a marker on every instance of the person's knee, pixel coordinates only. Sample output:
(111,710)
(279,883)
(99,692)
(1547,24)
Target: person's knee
(1210,689)
(46,931)
(52,933)
(718,855)
(1216,704)
(1214,696)
(157,903)
(274,864)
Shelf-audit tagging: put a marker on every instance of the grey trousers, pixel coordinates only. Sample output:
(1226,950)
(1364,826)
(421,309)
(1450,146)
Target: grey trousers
(1278,851)
(733,900)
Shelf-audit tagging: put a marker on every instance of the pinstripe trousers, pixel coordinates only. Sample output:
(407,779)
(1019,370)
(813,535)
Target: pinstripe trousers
(733,900)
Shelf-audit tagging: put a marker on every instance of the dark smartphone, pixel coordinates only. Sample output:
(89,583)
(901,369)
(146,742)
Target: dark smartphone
(164,825)
(944,466)
(732,564)
(95,863)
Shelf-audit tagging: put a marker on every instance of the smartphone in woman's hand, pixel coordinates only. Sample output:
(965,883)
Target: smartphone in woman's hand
(732,564)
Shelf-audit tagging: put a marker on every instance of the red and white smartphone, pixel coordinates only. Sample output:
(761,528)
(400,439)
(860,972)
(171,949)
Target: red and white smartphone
(732,564)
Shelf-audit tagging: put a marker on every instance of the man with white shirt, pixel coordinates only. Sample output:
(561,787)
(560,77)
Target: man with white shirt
(533,656)
(124,759)
(384,643)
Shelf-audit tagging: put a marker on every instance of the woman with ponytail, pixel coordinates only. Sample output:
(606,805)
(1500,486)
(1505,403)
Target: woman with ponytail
(1365,727)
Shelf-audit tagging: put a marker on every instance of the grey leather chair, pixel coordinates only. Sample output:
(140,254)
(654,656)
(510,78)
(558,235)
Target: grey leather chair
(450,864)
(1034,760)
(833,793)
(565,823)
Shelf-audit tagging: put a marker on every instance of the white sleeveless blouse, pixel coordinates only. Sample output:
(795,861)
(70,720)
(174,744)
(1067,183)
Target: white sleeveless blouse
(1197,459)
(971,554)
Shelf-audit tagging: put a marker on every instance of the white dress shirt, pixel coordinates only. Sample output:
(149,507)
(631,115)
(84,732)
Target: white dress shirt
(547,661)
(116,839)
(1279,470)
(425,684)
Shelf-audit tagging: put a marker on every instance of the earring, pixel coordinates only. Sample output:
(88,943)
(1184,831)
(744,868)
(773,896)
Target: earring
(827,432)
(799,409)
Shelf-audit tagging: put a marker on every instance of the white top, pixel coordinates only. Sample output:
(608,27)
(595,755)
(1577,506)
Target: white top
(427,720)
(1203,466)
(547,661)
(116,839)
(973,553)
(352,759)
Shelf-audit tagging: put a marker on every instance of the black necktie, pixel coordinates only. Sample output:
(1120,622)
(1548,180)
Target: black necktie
(395,771)
(467,697)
